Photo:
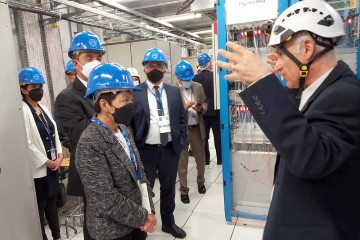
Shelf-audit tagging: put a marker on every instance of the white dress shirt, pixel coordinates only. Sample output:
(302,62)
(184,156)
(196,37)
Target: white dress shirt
(120,137)
(306,94)
(153,136)
(82,81)
(192,114)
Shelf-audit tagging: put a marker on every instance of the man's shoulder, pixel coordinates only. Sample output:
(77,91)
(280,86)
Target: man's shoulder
(197,85)
(204,74)
(168,86)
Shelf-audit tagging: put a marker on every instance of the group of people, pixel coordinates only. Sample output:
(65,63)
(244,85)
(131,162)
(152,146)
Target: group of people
(122,131)
(122,134)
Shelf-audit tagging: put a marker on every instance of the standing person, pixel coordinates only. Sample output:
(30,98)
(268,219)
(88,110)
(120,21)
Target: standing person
(212,116)
(134,75)
(195,105)
(70,71)
(316,131)
(72,111)
(159,126)
(45,152)
(119,198)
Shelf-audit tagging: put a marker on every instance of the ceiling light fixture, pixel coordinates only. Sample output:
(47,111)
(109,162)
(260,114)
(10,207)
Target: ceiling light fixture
(181,17)
(203,32)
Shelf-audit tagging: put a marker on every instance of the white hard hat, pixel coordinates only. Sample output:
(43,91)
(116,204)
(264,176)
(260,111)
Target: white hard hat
(315,16)
(133,72)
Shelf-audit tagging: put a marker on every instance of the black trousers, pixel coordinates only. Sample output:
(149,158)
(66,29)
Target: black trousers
(214,123)
(136,234)
(165,161)
(47,206)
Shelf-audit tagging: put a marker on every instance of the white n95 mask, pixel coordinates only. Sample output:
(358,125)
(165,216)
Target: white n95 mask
(88,67)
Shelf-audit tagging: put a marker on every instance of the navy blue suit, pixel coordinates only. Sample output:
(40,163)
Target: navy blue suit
(316,194)
(162,159)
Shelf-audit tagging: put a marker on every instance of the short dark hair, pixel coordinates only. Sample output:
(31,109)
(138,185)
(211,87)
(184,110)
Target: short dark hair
(108,96)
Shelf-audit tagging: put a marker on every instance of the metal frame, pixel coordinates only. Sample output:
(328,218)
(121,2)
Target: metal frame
(224,108)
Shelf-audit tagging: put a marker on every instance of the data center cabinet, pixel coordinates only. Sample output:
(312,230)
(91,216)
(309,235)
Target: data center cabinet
(249,157)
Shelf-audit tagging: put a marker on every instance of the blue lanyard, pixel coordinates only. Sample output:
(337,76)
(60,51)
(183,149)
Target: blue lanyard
(158,99)
(132,155)
(47,127)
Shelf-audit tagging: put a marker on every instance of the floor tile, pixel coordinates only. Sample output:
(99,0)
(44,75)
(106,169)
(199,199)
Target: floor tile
(201,226)
(247,233)
(213,203)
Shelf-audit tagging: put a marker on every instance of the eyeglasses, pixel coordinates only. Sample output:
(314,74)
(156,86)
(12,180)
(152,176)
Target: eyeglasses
(155,66)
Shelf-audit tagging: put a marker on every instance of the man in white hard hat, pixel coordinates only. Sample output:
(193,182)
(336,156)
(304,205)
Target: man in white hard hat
(134,75)
(314,125)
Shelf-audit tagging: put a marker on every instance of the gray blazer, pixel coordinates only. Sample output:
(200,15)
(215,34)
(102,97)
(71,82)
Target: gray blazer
(113,196)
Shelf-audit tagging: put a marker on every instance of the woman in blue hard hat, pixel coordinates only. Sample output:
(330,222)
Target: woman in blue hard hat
(118,194)
(70,71)
(45,152)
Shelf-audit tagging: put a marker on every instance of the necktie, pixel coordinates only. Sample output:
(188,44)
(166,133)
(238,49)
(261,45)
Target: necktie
(163,136)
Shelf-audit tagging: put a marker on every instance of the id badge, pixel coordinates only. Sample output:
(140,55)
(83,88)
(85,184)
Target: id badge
(53,153)
(145,197)
(164,124)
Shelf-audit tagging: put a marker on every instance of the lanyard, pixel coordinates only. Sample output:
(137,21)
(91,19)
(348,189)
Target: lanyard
(158,99)
(132,155)
(47,127)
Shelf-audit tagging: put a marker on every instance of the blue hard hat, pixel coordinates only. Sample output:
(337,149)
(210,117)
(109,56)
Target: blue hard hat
(108,76)
(31,75)
(203,59)
(154,55)
(184,71)
(69,66)
(85,40)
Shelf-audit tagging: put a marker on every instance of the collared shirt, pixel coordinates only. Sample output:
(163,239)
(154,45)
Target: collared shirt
(306,94)
(153,136)
(192,114)
(83,81)
(123,143)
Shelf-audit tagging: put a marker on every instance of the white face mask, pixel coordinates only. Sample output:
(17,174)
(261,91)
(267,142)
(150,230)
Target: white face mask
(186,84)
(88,67)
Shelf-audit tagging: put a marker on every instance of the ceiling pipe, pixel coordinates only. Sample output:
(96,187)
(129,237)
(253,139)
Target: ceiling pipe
(138,14)
(115,17)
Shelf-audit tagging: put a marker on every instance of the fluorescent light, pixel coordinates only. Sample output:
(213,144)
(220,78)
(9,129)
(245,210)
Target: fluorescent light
(203,32)
(181,17)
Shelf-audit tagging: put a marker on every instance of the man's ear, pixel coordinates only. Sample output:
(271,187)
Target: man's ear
(309,46)
(76,64)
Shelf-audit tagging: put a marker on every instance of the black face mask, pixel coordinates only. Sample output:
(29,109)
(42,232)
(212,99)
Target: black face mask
(36,94)
(124,115)
(155,76)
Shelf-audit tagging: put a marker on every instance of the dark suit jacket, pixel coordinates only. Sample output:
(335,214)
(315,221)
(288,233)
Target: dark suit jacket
(73,113)
(206,78)
(112,193)
(316,194)
(141,121)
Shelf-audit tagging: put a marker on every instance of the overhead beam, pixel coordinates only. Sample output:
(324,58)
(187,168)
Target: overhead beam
(115,17)
(138,14)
